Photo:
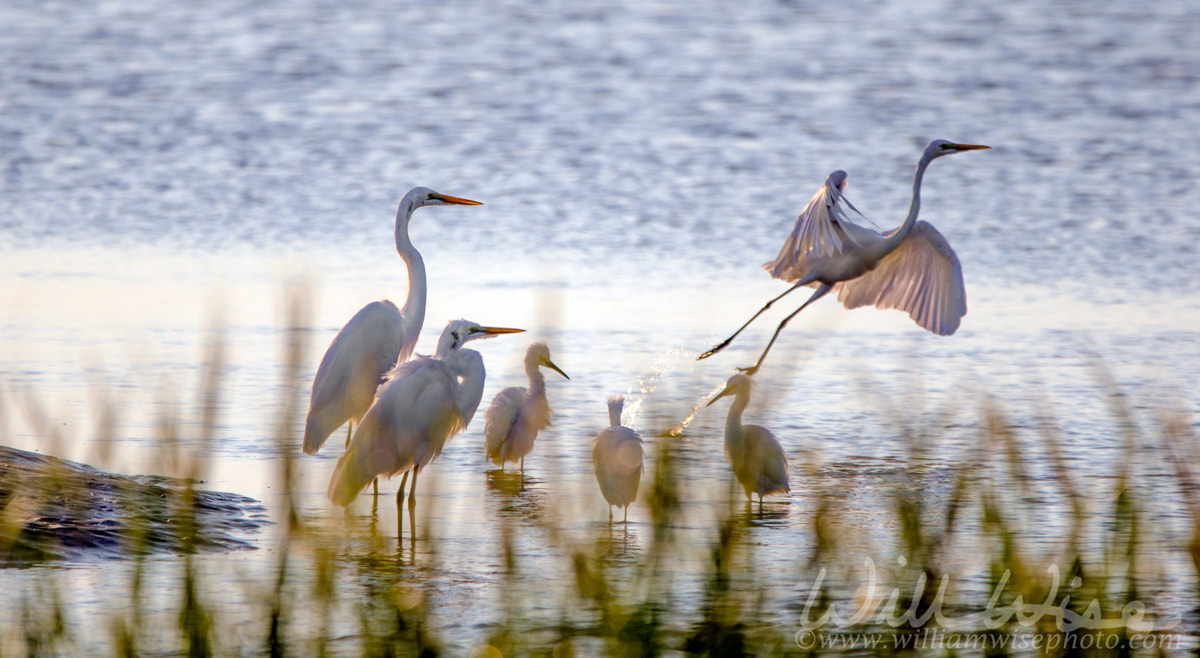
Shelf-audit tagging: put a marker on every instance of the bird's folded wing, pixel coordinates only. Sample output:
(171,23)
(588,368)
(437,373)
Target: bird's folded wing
(370,343)
(500,417)
(414,409)
(819,231)
(922,277)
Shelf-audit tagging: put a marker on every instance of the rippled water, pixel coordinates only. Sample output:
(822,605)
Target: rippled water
(637,162)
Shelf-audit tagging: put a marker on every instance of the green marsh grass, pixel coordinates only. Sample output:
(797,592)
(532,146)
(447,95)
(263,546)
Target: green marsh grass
(339,587)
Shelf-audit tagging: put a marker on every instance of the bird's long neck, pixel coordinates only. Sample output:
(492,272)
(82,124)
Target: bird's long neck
(414,307)
(614,411)
(733,423)
(537,381)
(894,239)
(468,366)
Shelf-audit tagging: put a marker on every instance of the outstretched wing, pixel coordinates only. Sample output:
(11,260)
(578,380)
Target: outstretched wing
(823,229)
(921,277)
(345,383)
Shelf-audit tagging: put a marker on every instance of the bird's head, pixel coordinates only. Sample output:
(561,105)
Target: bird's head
(837,180)
(939,147)
(458,332)
(420,197)
(539,355)
(733,385)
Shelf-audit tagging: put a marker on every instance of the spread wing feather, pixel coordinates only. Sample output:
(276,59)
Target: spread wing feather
(922,277)
(822,229)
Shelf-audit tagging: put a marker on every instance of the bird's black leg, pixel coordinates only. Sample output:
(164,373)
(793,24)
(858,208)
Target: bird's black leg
(400,505)
(825,287)
(412,506)
(725,343)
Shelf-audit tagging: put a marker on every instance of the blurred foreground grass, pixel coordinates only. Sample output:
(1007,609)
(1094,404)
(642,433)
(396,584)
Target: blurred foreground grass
(341,589)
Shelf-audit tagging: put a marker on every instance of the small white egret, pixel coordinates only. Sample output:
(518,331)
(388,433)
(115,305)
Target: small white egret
(757,458)
(617,456)
(377,338)
(911,268)
(517,414)
(420,406)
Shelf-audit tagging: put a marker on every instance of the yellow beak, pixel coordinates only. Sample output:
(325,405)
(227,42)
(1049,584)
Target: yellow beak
(499,330)
(445,198)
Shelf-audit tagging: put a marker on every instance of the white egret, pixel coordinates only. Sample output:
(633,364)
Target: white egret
(617,456)
(377,338)
(758,461)
(517,414)
(420,406)
(911,268)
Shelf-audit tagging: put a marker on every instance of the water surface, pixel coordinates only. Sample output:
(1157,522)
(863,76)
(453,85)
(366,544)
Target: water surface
(167,169)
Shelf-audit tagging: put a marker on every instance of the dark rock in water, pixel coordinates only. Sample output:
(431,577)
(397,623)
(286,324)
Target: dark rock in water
(54,509)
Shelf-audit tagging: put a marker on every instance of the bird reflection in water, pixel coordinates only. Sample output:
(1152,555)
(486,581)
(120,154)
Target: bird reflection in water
(519,496)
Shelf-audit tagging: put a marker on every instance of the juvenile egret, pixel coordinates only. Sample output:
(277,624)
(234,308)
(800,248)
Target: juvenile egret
(422,403)
(377,338)
(517,414)
(911,268)
(758,460)
(617,457)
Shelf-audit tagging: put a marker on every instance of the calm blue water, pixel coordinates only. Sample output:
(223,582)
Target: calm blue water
(637,162)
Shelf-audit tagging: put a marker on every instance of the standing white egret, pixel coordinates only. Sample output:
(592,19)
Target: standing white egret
(617,456)
(911,268)
(517,414)
(422,403)
(757,458)
(377,338)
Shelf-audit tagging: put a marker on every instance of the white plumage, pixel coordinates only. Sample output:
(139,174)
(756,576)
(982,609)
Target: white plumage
(911,268)
(421,405)
(378,337)
(617,455)
(517,414)
(758,461)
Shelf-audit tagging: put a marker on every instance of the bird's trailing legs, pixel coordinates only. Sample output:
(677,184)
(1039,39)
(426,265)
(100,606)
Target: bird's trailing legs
(725,343)
(825,287)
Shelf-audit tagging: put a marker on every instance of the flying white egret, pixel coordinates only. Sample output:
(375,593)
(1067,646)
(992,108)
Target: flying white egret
(617,456)
(517,414)
(911,268)
(377,338)
(757,458)
(421,404)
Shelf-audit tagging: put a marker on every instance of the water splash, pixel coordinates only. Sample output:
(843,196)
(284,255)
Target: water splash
(677,431)
(664,364)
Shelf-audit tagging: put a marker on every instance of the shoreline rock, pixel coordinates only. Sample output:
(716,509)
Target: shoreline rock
(53,509)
